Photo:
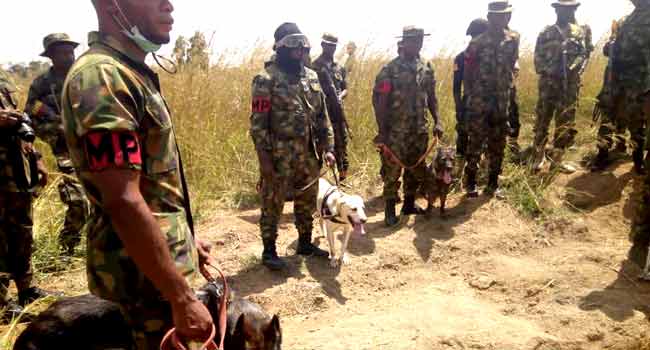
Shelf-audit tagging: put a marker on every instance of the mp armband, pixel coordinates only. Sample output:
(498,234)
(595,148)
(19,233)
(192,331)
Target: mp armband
(112,150)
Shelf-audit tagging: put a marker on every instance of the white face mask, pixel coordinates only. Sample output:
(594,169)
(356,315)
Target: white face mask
(134,33)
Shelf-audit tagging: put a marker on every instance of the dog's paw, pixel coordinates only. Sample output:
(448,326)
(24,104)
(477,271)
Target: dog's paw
(334,262)
(345,260)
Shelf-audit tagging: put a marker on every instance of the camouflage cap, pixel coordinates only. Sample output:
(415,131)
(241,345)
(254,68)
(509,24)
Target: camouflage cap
(56,39)
(566,3)
(500,7)
(412,32)
(477,27)
(330,39)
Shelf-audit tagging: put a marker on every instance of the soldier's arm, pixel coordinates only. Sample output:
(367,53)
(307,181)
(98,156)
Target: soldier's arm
(260,128)
(380,102)
(540,55)
(458,81)
(325,128)
(104,113)
(432,102)
(344,84)
(36,107)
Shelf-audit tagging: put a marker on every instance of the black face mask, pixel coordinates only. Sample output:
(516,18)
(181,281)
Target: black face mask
(287,63)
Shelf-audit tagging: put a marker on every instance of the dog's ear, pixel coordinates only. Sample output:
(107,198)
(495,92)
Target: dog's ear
(273,331)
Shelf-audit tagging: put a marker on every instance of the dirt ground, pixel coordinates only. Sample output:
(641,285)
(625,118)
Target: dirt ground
(483,278)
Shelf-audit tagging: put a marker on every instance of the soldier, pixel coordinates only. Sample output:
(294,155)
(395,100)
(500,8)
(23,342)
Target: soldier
(489,72)
(476,28)
(333,80)
(351,60)
(561,55)
(292,134)
(629,76)
(20,169)
(44,105)
(404,90)
(141,250)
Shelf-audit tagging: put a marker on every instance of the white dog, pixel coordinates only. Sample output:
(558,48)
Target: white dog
(337,210)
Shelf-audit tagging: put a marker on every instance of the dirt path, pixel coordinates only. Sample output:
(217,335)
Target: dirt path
(482,279)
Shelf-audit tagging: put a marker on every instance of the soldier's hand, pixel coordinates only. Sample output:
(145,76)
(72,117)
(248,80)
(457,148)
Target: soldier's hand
(438,131)
(205,259)
(192,320)
(266,166)
(330,159)
(379,141)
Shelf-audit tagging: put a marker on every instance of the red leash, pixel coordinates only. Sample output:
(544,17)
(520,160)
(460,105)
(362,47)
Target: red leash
(171,341)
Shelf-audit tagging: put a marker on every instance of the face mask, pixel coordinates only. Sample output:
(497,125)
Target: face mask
(143,43)
(134,34)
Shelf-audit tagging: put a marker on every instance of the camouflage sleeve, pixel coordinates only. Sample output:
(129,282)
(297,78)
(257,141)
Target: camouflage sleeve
(100,116)
(432,99)
(381,99)
(261,113)
(540,54)
(36,107)
(325,127)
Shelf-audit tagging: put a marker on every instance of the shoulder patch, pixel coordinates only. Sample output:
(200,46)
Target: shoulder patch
(112,149)
(261,104)
(384,87)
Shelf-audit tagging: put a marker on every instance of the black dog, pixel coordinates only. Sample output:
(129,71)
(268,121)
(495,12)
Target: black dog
(89,323)
(441,177)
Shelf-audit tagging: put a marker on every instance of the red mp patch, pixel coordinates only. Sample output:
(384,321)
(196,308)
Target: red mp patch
(261,104)
(384,87)
(112,149)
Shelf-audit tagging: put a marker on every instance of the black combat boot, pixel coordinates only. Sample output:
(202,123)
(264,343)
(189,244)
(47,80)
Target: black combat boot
(390,219)
(270,257)
(638,158)
(410,208)
(30,295)
(492,188)
(602,160)
(307,248)
(472,190)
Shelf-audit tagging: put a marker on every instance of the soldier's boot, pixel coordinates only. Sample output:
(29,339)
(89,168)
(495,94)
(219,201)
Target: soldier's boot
(602,160)
(307,248)
(515,150)
(390,219)
(30,295)
(639,161)
(410,208)
(492,189)
(539,158)
(472,188)
(270,257)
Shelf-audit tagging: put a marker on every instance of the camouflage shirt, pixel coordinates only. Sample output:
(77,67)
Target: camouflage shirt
(116,118)
(289,109)
(631,59)
(408,86)
(44,106)
(490,62)
(335,71)
(7,137)
(551,45)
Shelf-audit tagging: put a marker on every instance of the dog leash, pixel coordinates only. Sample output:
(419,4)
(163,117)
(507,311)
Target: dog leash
(171,341)
(386,151)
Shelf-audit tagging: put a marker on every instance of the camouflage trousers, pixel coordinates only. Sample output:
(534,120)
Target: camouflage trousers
(408,148)
(556,103)
(642,220)
(72,194)
(486,127)
(295,164)
(627,114)
(149,321)
(16,241)
(341,138)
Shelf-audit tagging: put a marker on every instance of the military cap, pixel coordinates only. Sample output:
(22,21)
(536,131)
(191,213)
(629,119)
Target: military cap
(56,39)
(412,32)
(286,29)
(566,3)
(500,7)
(330,39)
(477,26)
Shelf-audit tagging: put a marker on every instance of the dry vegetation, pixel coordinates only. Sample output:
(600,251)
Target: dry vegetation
(211,112)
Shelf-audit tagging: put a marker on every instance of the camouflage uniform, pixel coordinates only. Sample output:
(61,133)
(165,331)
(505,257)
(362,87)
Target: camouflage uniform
(16,238)
(44,106)
(290,121)
(333,80)
(489,73)
(410,89)
(109,96)
(559,83)
(631,75)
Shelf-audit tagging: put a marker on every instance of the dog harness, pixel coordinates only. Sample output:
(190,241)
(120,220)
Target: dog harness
(326,213)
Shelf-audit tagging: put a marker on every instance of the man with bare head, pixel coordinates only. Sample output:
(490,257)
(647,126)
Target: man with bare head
(142,252)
